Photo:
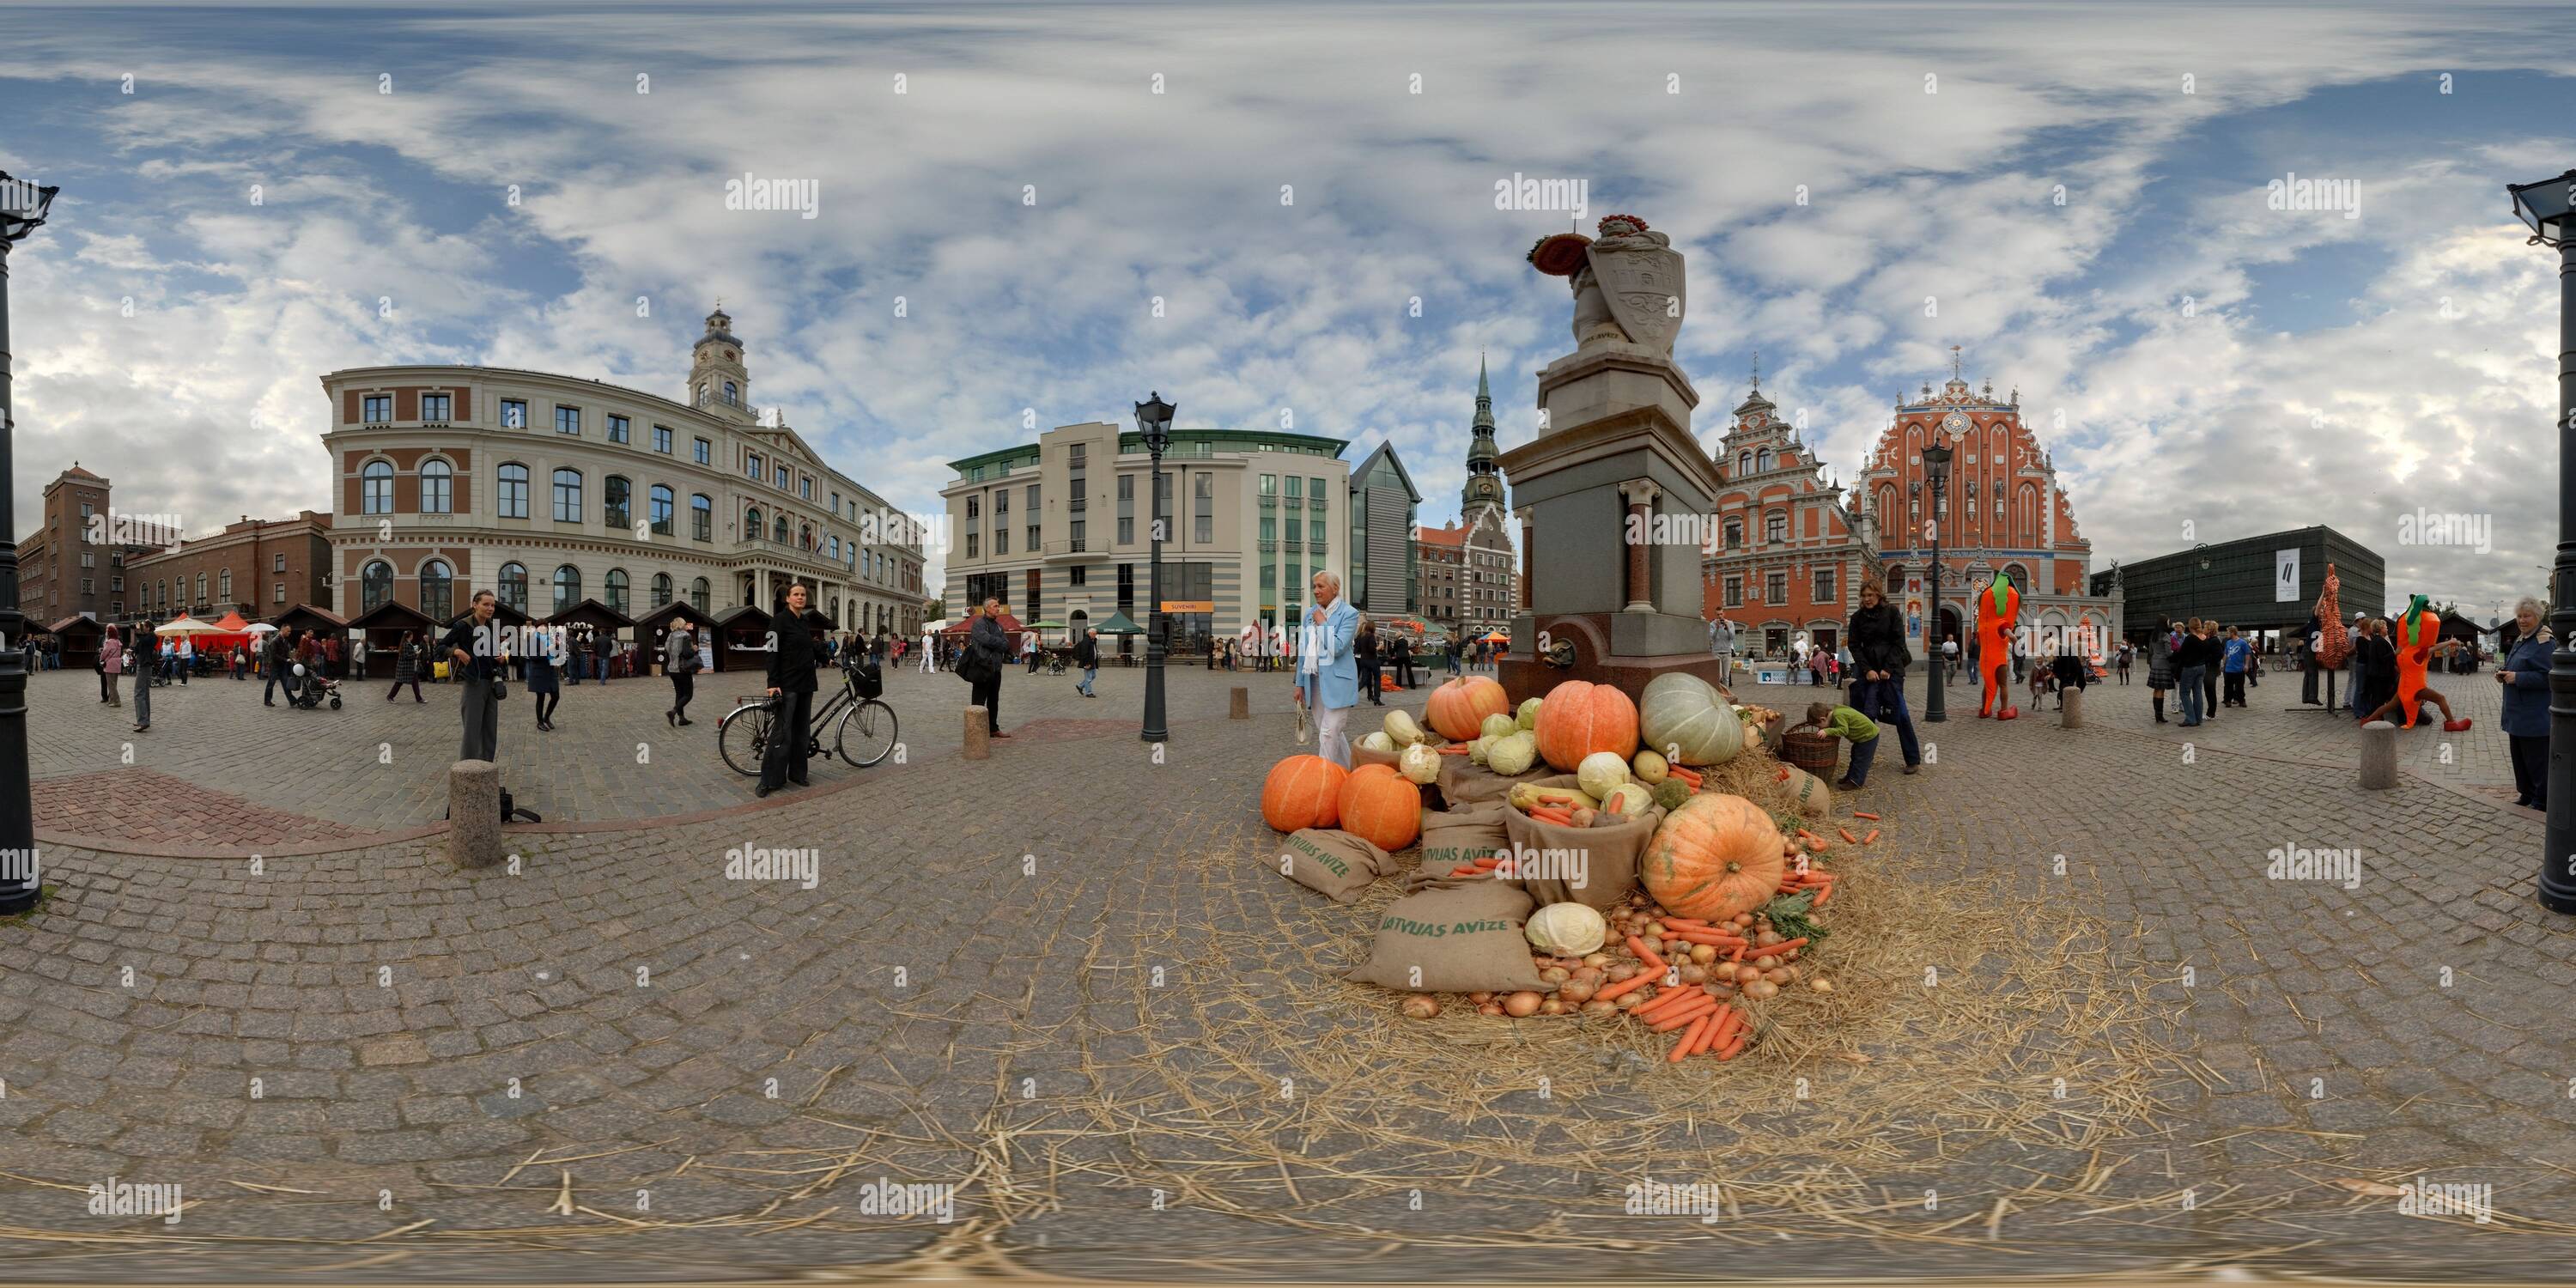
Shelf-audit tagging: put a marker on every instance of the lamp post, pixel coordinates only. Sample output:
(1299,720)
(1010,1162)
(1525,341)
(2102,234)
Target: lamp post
(1936,471)
(2544,206)
(2199,565)
(1154,424)
(23,206)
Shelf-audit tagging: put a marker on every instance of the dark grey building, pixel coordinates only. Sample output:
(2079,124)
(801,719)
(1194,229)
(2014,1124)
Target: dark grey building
(1385,579)
(2265,583)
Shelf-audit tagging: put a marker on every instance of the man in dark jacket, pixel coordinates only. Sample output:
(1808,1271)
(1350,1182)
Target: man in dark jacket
(1086,655)
(1876,637)
(796,646)
(987,649)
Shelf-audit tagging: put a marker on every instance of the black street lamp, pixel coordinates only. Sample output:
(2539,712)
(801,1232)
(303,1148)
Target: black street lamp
(23,206)
(1154,424)
(1936,471)
(2545,207)
(2200,564)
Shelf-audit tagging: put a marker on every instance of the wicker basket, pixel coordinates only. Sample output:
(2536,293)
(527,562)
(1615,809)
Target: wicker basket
(1817,753)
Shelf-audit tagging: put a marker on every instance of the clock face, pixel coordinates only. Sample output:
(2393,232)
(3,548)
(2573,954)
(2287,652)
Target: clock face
(1956,422)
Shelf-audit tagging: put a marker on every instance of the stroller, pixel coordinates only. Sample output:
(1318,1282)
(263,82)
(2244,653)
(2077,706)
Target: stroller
(312,687)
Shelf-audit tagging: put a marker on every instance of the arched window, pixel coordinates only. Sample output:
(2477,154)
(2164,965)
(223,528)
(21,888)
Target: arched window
(1762,460)
(733,398)
(832,548)
(751,522)
(513,590)
(661,512)
(567,587)
(438,590)
(201,588)
(702,517)
(376,488)
(1744,463)
(617,590)
(778,530)
(699,592)
(805,537)
(618,496)
(514,491)
(567,496)
(437,487)
(224,584)
(375,585)
(2020,575)
(661,589)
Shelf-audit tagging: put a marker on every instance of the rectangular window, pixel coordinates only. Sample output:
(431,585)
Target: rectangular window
(808,488)
(970,545)
(662,439)
(281,592)
(1735,592)
(433,409)
(281,563)
(1077,577)
(568,420)
(754,463)
(1319,492)
(1079,530)
(1033,499)
(782,478)
(1775,588)
(1001,541)
(1001,506)
(836,503)
(706,452)
(514,413)
(1296,487)
(514,492)
(376,409)
(1824,585)
(1033,539)
(618,429)
(1270,485)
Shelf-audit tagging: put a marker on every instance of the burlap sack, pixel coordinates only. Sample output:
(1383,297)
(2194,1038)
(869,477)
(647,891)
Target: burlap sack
(1464,782)
(1462,835)
(1332,863)
(1361,756)
(1462,936)
(1593,866)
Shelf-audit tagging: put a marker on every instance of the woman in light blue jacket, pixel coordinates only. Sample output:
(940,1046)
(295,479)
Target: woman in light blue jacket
(2525,677)
(1328,672)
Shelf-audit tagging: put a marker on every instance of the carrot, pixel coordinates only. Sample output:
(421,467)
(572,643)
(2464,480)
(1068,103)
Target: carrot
(1847,836)
(1865,814)
(1710,937)
(1733,1046)
(1464,870)
(1683,1014)
(1489,861)
(1557,816)
(1626,986)
(1451,750)
(1774,950)
(1638,946)
(1685,922)
(1721,1022)
(1613,806)
(1689,1041)
(1666,1000)
(1822,896)
(1871,838)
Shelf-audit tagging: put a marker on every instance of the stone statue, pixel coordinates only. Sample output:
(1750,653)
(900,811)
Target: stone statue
(1628,285)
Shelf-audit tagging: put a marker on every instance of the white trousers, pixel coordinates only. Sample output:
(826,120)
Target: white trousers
(1331,742)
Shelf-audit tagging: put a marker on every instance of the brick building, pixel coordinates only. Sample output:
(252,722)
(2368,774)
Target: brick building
(1787,551)
(256,567)
(73,565)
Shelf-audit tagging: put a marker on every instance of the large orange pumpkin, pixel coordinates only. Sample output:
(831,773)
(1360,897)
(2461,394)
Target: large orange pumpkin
(1302,792)
(1716,856)
(1380,805)
(1459,707)
(1580,718)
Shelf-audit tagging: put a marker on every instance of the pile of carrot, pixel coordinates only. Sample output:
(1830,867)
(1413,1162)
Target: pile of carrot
(1478,868)
(1691,778)
(1553,814)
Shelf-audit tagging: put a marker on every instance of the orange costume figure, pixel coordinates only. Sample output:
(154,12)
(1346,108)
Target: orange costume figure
(1998,608)
(2417,633)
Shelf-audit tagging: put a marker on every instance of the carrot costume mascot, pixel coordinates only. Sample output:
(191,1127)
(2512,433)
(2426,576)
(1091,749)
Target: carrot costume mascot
(2417,633)
(1998,607)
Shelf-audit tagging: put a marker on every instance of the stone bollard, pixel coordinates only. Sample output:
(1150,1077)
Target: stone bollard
(2378,755)
(979,734)
(474,813)
(2070,708)
(1239,706)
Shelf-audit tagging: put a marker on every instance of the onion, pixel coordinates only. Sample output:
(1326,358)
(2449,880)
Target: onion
(1744,919)
(1490,1008)
(1822,985)
(1623,971)
(1596,960)
(1555,975)
(1552,1006)
(1768,938)
(1721,989)
(1761,989)
(1694,974)
(1630,1001)
(1779,975)
(1480,998)
(1746,974)
(1585,975)
(1576,991)
(1421,1008)
(1653,945)
(1597,1008)
(1521,1005)
(1654,929)
(1703,953)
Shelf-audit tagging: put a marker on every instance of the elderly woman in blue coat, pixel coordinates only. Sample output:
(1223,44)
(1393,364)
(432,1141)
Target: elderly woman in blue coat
(1328,673)
(2525,677)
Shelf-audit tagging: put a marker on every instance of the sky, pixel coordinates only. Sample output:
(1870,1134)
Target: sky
(1284,215)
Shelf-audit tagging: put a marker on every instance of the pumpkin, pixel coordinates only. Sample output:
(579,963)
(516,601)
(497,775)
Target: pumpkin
(1580,718)
(1688,720)
(1302,792)
(1499,725)
(1512,757)
(1567,929)
(1401,728)
(1600,772)
(1716,856)
(1419,764)
(1381,807)
(1458,708)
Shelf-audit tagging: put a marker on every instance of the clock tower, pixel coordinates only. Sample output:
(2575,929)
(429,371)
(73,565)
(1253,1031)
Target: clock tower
(1484,490)
(718,382)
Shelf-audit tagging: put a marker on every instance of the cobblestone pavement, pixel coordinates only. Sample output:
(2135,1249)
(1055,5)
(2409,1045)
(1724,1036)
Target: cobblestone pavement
(478,1073)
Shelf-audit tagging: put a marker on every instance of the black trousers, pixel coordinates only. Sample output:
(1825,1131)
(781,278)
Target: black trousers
(684,686)
(2236,688)
(2530,768)
(2209,689)
(787,753)
(1369,680)
(987,693)
(414,682)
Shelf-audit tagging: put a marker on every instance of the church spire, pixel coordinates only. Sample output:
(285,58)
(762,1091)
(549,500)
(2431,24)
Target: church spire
(1484,465)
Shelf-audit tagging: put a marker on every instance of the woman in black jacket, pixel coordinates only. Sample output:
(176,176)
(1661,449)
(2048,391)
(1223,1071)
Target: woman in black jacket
(988,648)
(795,647)
(1876,637)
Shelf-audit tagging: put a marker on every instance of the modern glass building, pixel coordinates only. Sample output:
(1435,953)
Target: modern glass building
(2265,583)
(1386,580)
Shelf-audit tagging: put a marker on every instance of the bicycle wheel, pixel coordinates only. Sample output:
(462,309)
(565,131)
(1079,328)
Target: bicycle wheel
(867,733)
(743,738)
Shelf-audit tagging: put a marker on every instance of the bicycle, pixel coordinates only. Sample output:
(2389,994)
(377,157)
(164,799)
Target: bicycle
(865,732)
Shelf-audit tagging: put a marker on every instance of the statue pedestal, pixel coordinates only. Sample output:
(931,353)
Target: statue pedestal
(1614,496)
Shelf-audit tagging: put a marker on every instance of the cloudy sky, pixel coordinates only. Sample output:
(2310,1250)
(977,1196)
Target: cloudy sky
(1285,214)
